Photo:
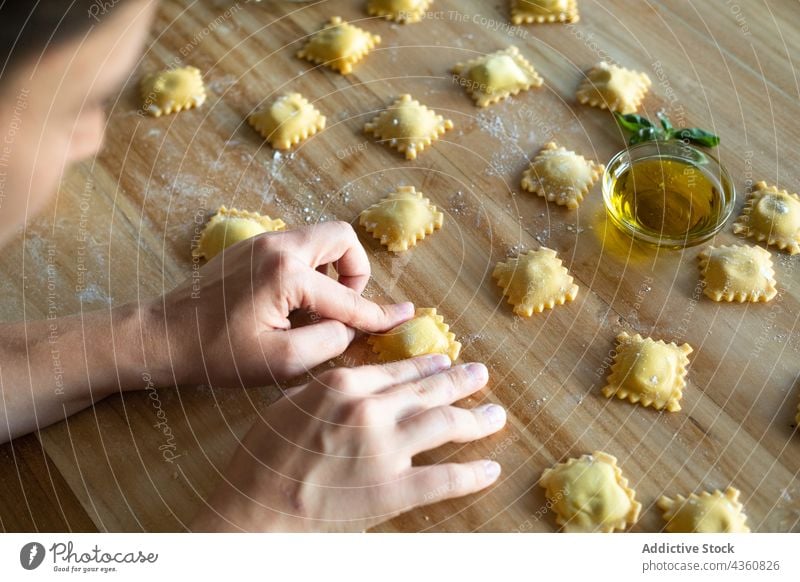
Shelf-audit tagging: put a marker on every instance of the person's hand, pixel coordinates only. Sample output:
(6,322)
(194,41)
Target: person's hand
(336,454)
(230,325)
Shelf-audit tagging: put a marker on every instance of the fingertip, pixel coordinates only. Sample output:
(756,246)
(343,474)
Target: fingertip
(479,372)
(492,470)
(403,310)
(439,361)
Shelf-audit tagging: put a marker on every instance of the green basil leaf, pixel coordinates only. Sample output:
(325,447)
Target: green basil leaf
(699,136)
(645,134)
(665,122)
(632,122)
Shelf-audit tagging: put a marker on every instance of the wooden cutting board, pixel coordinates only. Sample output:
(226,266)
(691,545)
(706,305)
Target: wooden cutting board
(724,66)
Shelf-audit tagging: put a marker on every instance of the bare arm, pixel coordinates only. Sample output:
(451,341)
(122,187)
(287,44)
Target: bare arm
(229,328)
(53,368)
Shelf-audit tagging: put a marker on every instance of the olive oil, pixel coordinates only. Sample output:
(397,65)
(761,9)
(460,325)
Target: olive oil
(667,197)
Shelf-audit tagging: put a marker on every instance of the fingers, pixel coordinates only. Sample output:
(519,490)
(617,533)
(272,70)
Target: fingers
(445,424)
(437,390)
(332,300)
(413,368)
(303,348)
(438,482)
(332,242)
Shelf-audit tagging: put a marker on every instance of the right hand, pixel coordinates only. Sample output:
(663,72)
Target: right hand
(336,453)
(230,326)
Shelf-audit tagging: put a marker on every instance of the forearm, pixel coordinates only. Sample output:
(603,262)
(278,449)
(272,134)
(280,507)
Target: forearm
(50,369)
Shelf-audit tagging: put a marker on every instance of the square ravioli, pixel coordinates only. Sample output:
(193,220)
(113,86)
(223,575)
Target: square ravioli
(737,273)
(561,175)
(172,90)
(339,45)
(535,281)
(615,88)
(714,512)
(590,494)
(230,226)
(402,11)
(648,372)
(287,121)
(539,11)
(773,216)
(496,76)
(401,219)
(408,126)
(426,333)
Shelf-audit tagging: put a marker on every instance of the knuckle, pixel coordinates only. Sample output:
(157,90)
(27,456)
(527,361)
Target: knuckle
(345,227)
(364,412)
(338,378)
(447,419)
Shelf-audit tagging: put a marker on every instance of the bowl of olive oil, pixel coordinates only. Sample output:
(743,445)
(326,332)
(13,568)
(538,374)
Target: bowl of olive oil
(667,193)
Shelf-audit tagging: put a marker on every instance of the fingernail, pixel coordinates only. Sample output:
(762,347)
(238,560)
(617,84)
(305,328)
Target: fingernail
(492,469)
(478,371)
(496,415)
(404,309)
(440,361)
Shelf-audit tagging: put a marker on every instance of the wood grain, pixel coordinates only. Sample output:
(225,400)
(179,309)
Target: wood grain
(719,65)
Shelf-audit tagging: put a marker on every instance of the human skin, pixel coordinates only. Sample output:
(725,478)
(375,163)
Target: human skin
(309,462)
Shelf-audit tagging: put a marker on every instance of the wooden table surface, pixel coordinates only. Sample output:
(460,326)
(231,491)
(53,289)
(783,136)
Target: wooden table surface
(128,217)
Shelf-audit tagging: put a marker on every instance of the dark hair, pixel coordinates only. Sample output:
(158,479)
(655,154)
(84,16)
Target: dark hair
(28,27)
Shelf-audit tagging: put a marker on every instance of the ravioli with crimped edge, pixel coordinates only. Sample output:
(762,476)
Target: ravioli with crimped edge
(772,216)
(613,87)
(590,494)
(408,126)
(287,121)
(497,76)
(230,226)
(426,333)
(737,273)
(648,372)
(541,11)
(709,512)
(535,281)
(561,176)
(339,46)
(401,219)
(402,11)
(172,90)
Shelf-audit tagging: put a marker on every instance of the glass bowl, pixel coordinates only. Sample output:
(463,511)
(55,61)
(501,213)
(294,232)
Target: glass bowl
(715,204)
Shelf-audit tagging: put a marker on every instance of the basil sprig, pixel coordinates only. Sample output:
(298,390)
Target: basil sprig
(642,129)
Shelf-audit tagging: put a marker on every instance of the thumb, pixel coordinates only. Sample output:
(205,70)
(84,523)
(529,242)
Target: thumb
(332,300)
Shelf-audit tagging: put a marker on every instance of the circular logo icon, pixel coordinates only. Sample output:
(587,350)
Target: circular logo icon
(31,555)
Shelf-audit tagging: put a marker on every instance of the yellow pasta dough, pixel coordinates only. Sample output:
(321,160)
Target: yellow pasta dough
(287,121)
(230,226)
(648,372)
(402,11)
(496,76)
(172,90)
(401,219)
(715,512)
(426,333)
(773,216)
(561,176)
(339,45)
(737,273)
(590,494)
(535,281)
(528,11)
(408,126)
(612,87)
